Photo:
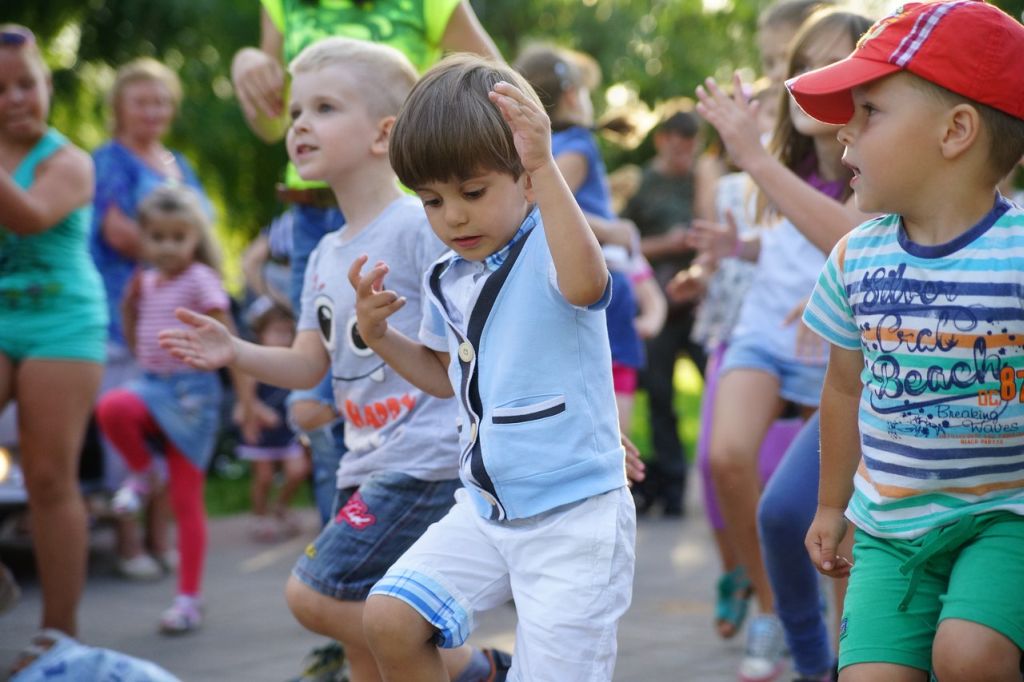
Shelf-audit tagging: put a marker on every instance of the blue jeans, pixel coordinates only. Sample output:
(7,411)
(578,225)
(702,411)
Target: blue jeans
(787,508)
(373,525)
(311,224)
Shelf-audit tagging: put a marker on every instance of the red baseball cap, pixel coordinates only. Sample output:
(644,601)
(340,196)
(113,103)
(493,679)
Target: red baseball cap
(967,46)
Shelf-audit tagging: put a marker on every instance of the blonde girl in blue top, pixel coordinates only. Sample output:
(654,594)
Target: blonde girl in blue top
(54,318)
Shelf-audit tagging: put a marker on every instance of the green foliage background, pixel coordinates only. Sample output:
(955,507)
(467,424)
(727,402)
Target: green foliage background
(659,48)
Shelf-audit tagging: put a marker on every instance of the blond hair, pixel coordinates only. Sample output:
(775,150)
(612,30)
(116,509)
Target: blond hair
(449,129)
(385,74)
(175,200)
(143,70)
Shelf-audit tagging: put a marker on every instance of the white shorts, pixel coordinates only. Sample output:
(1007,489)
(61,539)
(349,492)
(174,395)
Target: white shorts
(569,572)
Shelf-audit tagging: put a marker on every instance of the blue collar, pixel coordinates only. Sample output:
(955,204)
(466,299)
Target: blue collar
(495,260)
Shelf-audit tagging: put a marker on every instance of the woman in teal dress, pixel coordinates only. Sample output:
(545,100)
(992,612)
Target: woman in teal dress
(53,316)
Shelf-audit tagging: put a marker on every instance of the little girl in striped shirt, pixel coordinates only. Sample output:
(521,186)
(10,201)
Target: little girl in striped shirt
(172,408)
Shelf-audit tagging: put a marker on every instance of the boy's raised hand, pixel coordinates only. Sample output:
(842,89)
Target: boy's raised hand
(206,345)
(531,128)
(822,542)
(374,303)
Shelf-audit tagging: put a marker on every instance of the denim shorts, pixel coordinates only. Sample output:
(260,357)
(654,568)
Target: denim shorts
(799,382)
(372,526)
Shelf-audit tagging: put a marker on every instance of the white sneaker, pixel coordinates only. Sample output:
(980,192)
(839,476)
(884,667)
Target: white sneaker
(762,661)
(127,501)
(185,615)
(141,567)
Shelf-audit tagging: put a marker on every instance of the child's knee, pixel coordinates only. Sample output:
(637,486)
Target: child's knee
(391,625)
(119,405)
(727,463)
(302,601)
(969,652)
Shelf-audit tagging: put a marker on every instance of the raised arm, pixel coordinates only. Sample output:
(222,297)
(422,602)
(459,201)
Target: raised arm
(63,183)
(207,344)
(258,77)
(424,368)
(840,455)
(465,33)
(579,263)
(821,219)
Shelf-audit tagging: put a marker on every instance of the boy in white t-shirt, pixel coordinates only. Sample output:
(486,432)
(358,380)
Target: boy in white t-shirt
(400,472)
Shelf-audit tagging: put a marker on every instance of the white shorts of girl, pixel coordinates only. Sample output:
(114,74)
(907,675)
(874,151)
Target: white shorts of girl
(569,572)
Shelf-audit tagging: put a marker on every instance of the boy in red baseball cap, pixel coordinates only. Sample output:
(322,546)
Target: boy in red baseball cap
(922,410)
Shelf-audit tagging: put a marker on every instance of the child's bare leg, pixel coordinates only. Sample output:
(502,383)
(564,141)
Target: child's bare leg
(966,651)
(402,642)
(259,490)
(158,522)
(746,404)
(343,621)
(873,672)
(340,620)
(296,469)
(129,543)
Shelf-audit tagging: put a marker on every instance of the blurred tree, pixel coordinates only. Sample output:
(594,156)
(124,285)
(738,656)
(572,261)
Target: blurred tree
(652,50)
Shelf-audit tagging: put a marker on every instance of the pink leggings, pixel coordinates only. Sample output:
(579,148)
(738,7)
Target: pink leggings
(125,421)
(775,444)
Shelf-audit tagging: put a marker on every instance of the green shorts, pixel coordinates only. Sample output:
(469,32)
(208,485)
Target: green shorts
(976,574)
(52,336)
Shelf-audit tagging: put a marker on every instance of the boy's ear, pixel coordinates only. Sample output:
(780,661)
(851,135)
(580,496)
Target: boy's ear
(962,130)
(528,187)
(380,143)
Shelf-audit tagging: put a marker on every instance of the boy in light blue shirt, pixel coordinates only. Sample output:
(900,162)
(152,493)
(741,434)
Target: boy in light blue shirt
(515,331)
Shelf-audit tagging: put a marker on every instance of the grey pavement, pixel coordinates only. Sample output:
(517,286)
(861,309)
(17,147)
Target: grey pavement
(249,634)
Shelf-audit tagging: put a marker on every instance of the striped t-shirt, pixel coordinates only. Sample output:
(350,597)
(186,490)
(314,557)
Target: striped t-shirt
(942,332)
(197,288)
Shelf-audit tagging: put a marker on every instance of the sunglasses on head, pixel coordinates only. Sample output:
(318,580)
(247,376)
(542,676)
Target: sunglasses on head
(16,37)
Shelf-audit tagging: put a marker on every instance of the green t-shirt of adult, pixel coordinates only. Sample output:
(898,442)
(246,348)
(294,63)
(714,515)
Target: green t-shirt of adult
(661,203)
(414,27)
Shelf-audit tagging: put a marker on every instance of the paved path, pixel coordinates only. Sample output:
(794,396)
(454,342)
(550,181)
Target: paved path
(249,634)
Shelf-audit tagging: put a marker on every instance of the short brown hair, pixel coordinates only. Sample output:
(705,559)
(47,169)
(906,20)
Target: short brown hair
(449,129)
(386,75)
(1005,132)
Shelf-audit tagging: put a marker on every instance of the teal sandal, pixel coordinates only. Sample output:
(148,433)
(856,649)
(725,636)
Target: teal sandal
(734,592)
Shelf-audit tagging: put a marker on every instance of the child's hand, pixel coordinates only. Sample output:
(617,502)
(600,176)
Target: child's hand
(207,345)
(716,240)
(733,116)
(687,285)
(826,532)
(531,128)
(252,418)
(636,470)
(374,304)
